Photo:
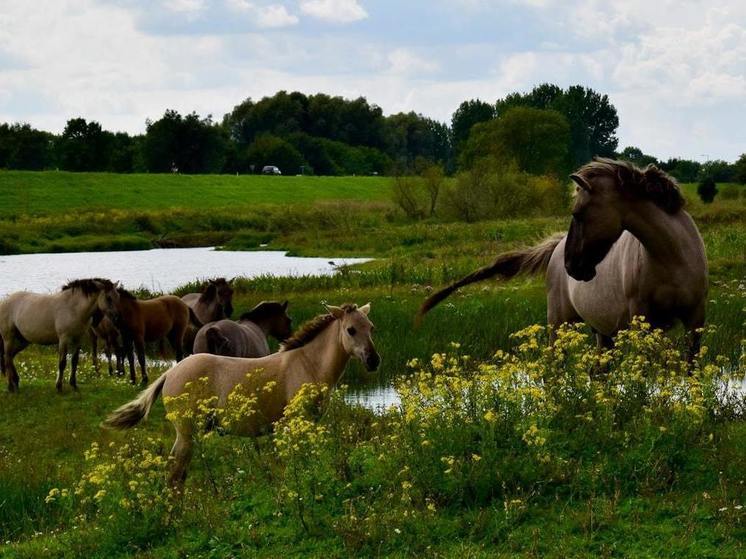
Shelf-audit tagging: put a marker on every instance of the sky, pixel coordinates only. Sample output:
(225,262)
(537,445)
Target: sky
(675,70)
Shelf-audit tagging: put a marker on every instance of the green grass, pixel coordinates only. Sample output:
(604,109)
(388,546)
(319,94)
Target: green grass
(58,192)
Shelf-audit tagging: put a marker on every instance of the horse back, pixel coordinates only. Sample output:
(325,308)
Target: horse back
(36,317)
(162,315)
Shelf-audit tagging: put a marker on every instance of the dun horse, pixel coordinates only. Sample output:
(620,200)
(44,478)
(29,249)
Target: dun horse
(631,250)
(214,303)
(248,336)
(102,327)
(61,318)
(317,354)
(150,321)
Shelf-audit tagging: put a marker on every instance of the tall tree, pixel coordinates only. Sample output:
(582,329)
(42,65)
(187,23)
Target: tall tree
(593,119)
(23,147)
(466,116)
(84,146)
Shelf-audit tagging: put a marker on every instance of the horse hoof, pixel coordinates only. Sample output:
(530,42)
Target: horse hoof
(59,388)
(144,382)
(74,386)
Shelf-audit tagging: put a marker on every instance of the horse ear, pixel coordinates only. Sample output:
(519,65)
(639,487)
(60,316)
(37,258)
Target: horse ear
(365,309)
(336,312)
(285,305)
(581,182)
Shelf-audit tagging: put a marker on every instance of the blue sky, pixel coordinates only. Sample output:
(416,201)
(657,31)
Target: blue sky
(675,70)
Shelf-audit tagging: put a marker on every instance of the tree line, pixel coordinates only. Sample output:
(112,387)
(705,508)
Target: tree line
(547,131)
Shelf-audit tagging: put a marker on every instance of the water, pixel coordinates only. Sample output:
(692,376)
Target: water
(160,270)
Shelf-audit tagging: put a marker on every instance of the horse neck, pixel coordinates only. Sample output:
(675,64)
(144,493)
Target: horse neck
(324,356)
(665,236)
(263,325)
(83,303)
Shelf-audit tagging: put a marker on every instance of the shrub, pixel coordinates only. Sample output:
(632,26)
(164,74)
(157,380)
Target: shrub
(409,193)
(707,190)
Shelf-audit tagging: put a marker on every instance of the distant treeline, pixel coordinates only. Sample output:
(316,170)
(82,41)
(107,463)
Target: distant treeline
(547,131)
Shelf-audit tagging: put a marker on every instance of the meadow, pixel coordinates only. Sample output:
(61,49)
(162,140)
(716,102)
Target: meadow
(521,453)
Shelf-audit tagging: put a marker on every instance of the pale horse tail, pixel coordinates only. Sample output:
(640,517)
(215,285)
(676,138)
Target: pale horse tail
(131,413)
(532,261)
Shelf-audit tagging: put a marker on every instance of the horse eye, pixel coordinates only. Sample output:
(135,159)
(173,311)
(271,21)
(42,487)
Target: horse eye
(351,331)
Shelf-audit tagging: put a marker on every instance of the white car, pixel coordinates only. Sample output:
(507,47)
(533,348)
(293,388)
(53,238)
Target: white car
(271,170)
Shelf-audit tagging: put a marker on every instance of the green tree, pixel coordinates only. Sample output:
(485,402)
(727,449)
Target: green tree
(84,146)
(23,147)
(536,140)
(635,155)
(739,166)
(718,170)
(272,150)
(410,136)
(683,170)
(707,189)
(593,119)
(466,116)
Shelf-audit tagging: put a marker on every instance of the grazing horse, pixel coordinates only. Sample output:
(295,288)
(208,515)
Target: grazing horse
(141,321)
(317,354)
(631,250)
(61,318)
(214,303)
(246,337)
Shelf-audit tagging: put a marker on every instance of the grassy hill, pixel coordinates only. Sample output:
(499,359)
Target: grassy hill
(55,192)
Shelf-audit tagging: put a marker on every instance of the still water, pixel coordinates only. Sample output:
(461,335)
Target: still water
(161,270)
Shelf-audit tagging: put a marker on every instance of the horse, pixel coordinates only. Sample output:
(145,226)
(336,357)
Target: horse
(317,354)
(102,327)
(246,337)
(60,318)
(141,321)
(631,250)
(213,303)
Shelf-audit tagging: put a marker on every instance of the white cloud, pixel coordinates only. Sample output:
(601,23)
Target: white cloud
(405,62)
(271,16)
(335,11)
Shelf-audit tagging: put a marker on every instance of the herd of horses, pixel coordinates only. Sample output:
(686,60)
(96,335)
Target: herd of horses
(631,250)
(196,322)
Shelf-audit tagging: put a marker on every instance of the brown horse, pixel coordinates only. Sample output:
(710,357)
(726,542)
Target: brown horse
(631,250)
(317,354)
(60,318)
(213,303)
(142,321)
(246,337)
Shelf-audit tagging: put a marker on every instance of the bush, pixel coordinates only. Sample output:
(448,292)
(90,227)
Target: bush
(707,190)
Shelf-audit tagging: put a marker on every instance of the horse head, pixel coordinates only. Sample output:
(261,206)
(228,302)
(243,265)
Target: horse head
(356,330)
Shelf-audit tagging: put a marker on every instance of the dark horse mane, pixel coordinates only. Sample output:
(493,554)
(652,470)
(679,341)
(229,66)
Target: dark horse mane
(87,286)
(124,294)
(308,331)
(650,183)
(263,310)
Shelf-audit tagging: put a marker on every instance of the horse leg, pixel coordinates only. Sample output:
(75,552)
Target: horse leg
(12,346)
(693,325)
(181,453)
(94,350)
(129,352)
(177,343)
(62,354)
(140,348)
(74,368)
(107,352)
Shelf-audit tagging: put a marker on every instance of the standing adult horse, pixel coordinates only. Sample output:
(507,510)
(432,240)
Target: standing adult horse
(60,318)
(631,250)
(246,337)
(317,354)
(152,320)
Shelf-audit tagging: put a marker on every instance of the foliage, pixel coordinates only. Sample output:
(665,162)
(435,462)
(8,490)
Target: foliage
(593,119)
(188,144)
(636,156)
(707,189)
(683,170)
(740,169)
(718,170)
(536,140)
(23,147)
(466,116)
(271,150)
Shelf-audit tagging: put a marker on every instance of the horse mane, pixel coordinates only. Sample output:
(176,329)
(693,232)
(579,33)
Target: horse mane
(308,331)
(87,286)
(263,310)
(650,182)
(217,282)
(124,294)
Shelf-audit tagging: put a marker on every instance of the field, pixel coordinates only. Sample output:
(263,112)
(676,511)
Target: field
(655,468)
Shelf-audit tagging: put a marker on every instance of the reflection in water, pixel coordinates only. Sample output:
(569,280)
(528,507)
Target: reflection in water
(376,398)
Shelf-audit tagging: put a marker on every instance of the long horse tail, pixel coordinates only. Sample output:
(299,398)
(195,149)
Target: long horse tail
(131,413)
(531,261)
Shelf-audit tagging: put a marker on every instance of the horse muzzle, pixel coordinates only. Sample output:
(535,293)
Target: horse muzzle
(580,273)
(372,361)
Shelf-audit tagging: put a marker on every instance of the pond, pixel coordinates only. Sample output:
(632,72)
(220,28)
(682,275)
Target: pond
(161,270)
